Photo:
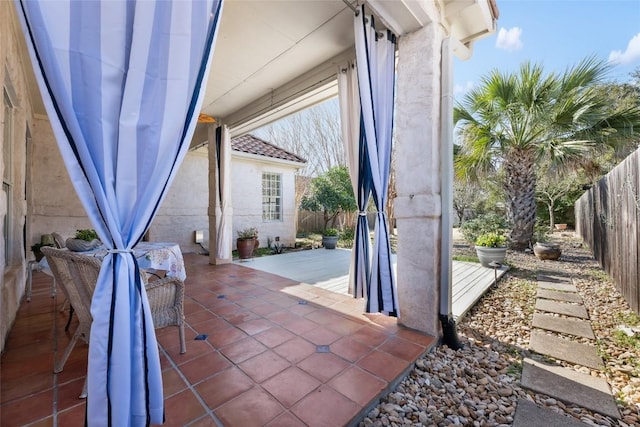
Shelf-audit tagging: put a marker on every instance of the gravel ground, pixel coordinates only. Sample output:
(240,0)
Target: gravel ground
(479,384)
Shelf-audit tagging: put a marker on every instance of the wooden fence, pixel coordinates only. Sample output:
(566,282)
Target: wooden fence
(608,219)
(314,221)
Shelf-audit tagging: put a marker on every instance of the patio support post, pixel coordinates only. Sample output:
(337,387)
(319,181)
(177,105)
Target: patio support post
(418,205)
(220,209)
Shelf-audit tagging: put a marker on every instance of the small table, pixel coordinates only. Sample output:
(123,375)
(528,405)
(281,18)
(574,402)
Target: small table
(152,256)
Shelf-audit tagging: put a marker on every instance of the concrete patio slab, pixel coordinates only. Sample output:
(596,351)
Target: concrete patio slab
(567,309)
(577,327)
(329,270)
(555,286)
(559,295)
(569,386)
(560,348)
(528,414)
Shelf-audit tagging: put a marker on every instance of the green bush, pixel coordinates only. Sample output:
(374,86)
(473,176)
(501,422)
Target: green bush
(491,240)
(330,232)
(483,224)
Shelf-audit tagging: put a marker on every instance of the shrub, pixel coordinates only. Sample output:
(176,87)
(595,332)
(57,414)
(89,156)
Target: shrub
(491,240)
(483,224)
(330,232)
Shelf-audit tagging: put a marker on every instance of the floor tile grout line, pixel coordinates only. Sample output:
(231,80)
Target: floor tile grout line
(191,387)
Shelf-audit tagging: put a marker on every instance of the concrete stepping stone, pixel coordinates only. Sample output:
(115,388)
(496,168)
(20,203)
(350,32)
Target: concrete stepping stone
(562,308)
(577,327)
(550,276)
(564,287)
(560,348)
(569,386)
(559,296)
(528,414)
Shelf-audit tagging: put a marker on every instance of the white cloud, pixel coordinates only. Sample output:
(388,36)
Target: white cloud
(509,40)
(632,54)
(462,89)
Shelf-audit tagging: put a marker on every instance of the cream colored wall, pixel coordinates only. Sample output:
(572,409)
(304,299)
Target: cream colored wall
(184,209)
(246,193)
(54,205)
(12,79)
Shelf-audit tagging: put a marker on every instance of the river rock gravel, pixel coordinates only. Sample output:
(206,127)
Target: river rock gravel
(478,385)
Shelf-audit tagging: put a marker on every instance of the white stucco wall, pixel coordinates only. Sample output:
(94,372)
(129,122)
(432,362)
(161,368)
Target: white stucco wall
(14,82)
(246,193)
(184,209)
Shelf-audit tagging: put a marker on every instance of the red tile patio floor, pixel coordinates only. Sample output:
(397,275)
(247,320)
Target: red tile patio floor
(278,353)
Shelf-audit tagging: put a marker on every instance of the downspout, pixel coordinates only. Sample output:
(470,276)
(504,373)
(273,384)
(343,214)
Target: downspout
(449,334)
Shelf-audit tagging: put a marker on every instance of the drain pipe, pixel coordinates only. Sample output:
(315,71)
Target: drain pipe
(449,334)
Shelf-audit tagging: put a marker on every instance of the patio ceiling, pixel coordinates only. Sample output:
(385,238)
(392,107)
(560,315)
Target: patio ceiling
(277,57)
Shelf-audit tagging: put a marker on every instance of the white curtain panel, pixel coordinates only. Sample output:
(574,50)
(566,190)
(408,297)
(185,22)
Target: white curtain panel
(349,101)
(224,234)
(121,82)
(375,55)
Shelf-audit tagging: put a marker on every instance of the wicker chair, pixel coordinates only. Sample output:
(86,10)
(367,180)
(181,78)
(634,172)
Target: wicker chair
(58,240)
(78,275)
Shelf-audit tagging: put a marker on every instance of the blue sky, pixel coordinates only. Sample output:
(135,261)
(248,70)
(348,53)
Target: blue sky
(557,34)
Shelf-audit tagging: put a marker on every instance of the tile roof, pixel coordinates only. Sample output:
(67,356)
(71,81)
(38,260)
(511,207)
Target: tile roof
(253,145)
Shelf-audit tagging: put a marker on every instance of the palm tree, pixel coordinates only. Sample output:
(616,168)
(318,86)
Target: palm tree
(512,122)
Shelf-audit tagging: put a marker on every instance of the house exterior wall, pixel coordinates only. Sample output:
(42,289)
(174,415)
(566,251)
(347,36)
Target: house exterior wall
(184,209)
(246,193)
(19,126)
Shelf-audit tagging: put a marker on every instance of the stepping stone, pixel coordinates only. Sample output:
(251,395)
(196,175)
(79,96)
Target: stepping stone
(564,287)
(569,386)
(580,328)
(528,414)
(562,308)
(559,296)
(560,348)
(549,276)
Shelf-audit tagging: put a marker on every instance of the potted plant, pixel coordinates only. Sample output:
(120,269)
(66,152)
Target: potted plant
(36,250)
(85,239)
(330,238)
(491,247)
(246,242)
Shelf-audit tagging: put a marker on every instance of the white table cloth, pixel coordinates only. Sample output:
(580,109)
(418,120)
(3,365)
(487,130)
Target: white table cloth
(151,256)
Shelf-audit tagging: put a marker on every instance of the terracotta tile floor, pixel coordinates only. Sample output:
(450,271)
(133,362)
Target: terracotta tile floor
(278,353)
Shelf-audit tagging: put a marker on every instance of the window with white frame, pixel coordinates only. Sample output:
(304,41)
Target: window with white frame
(271,196)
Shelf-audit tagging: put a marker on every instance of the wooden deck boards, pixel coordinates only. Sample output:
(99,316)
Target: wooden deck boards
(329,269)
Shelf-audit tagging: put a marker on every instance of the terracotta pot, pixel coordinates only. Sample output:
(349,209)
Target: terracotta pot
(547,251)
(246,248)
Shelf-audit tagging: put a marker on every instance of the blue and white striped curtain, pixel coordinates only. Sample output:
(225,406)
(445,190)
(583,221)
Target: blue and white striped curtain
(375,55)
(355,153)
(122,83)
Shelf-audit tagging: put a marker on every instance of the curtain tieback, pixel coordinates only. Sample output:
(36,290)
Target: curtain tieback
(120,251)
(362,213)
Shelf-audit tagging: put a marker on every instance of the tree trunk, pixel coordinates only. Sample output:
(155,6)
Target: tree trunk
(520,189)
(552,218)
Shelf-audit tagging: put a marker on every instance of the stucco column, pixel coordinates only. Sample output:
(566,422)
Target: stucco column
(417,206)
(213,190)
